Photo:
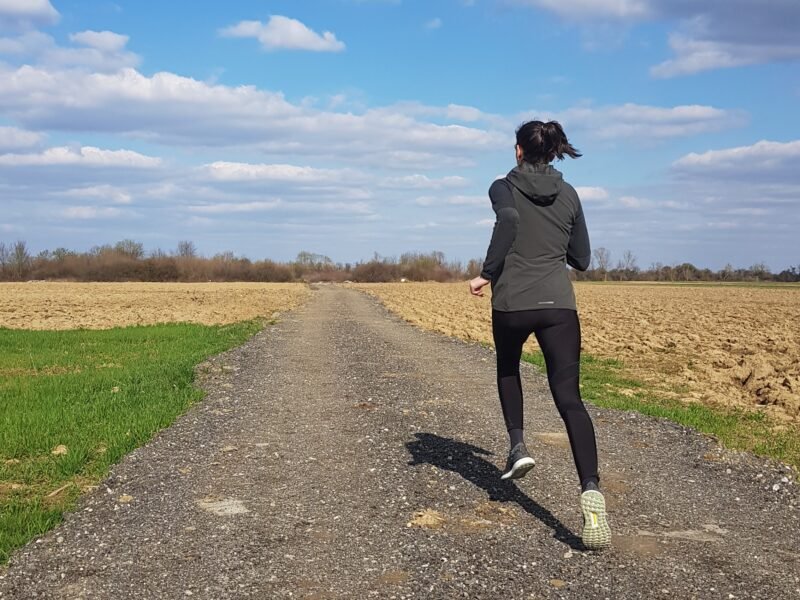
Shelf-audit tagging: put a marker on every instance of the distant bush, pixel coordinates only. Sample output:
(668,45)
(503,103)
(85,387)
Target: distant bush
(376,271)
(127,261)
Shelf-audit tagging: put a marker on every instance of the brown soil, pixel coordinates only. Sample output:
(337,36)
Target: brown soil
(39,305)
(724,345)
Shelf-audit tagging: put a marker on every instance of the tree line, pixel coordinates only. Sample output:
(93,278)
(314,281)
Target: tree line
(127,260)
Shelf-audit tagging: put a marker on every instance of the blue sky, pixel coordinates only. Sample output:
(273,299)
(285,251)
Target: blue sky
(348,127)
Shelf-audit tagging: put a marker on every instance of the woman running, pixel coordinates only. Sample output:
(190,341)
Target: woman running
(539,229)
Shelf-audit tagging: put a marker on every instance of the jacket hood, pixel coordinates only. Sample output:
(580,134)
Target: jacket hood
(540,184)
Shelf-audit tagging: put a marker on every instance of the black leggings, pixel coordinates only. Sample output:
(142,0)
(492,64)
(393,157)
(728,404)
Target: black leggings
(558,332)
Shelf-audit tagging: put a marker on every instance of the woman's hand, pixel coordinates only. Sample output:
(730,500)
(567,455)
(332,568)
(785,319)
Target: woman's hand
(476,286)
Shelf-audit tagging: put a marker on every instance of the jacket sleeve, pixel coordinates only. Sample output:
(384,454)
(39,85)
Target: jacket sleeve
(579,253)
(505,229)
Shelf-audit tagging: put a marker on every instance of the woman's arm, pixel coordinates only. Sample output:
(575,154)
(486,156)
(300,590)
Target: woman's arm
(505,228)
(579,253)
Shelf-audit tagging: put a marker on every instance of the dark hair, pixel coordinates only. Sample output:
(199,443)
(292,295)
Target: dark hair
(541,143)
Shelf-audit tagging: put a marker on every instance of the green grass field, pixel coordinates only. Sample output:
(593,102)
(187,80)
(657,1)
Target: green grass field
(72,403)
(604,383)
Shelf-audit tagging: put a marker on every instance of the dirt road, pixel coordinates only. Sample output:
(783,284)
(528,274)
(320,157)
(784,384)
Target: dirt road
(345,454)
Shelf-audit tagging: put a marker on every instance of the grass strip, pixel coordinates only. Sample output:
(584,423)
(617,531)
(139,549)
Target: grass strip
(604,383)
(73,403)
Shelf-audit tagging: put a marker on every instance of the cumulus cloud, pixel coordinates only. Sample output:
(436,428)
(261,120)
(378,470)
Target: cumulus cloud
(13,138)
(647,123)
(284,33)
(169,108)
(693,55)
(103,192)
(222,208)
(106,41)
(26,13)
(591,194)
(582,10)
(103,51)
(91,212)
(453,112)
(86,156)
(235,207)
(764,160)
(708,35)
(634,202)
(417,181)
(458,200)
(242,172)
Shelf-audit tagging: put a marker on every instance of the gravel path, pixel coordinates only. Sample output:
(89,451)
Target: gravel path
(345,454)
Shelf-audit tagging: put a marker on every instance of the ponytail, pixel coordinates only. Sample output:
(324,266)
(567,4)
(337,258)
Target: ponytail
(542,143)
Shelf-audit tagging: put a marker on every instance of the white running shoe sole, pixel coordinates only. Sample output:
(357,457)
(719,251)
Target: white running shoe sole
(520,468)
(596,531)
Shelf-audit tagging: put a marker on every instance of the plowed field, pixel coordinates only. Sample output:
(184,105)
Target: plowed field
(38,305)
(724,345)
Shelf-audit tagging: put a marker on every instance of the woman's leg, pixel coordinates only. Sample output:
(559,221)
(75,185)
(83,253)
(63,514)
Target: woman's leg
(559,336)
(509,338)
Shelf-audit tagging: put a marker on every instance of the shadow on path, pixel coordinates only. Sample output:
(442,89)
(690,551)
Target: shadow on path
(466,460)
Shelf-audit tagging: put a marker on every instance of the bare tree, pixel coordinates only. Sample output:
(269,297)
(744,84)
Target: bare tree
(20,260)
(5,260)
(474,267)
(603,259)
(186,249)
(760,271)
(312,260)
(130,248)
(727,272)
(629,261)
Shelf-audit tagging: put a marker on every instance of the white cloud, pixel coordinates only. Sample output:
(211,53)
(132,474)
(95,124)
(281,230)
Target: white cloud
(284,33)
(764,159)
(694,56)
(433,23)
(634,202)
(235,207)
(675,205)
(458,200)
(709,35)
(237,172)
(418,181)
(454,112)
(27,13)
(582,10)
(91,212)
(468,201)
(13,138)
(104,192)
(222,208)
(590,194)
(87,156)
(748,211)
(106,41)
(647,123)
(94,50)
(168,108)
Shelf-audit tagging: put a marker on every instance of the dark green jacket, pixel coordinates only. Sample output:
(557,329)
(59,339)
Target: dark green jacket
(540,228)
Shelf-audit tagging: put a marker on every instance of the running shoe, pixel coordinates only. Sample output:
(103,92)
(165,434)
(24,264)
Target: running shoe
(596,532)
(519,463)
